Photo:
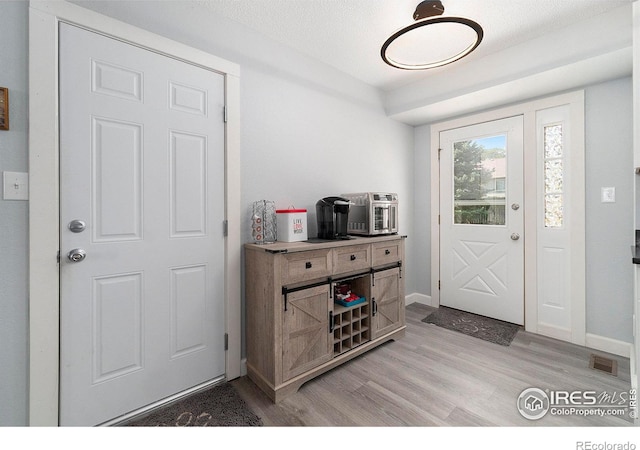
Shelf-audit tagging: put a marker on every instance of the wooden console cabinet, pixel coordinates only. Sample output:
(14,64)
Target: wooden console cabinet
(295,330)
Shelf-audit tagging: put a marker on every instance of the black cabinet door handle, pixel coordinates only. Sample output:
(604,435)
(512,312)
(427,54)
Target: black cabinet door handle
(387,252)
(307,265)
(353,257)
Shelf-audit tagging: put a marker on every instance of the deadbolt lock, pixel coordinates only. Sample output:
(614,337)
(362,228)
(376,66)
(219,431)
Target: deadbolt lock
(77,226)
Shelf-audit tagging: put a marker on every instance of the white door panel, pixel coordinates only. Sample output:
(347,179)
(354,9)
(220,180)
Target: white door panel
(482,219)
(142,164)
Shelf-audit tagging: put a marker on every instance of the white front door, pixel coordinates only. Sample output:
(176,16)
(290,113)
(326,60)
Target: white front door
(142,195)
(482,219)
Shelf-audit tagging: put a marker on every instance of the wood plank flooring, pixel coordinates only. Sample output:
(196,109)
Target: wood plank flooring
(437,377)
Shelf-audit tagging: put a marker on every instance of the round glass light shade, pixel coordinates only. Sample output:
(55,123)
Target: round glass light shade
(432,42)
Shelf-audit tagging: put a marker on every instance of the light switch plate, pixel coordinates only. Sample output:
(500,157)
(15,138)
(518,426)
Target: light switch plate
(15,186)
(608,194)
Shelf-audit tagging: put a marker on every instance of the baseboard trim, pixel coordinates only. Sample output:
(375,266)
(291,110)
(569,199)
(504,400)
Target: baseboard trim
(608,345)
(418,298)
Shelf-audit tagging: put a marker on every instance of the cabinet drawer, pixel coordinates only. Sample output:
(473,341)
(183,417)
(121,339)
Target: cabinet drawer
(387,252)
(305,266)
(353,257)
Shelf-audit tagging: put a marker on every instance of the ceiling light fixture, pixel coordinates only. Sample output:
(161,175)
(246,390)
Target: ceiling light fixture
(428,42)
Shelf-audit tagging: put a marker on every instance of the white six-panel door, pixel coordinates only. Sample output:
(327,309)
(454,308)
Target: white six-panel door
(142,166)
(482,219)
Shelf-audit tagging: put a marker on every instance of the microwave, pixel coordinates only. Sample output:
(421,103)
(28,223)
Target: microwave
(372,213)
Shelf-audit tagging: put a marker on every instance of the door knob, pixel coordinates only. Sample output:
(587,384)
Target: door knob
(515,206)
(515,236)
(76,255)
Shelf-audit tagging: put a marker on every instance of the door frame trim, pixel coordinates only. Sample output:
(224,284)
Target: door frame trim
(44,205)
(575,100)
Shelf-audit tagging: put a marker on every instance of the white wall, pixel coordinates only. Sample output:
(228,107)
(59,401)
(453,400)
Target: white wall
(421,253)
(13,219)
(301,144)
(609,226)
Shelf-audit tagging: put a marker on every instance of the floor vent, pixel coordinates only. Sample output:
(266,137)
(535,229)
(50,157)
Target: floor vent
(607,365)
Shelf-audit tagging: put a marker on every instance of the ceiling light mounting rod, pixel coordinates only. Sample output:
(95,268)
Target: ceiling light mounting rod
(428,8)
(428,12)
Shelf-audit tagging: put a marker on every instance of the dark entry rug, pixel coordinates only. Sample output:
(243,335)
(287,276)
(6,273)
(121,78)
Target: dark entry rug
(219,406)
(485,328)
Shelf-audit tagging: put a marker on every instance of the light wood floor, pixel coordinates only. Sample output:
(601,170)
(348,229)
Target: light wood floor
(437,377)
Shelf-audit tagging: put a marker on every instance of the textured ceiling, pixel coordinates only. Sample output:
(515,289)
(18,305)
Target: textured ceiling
(348,34)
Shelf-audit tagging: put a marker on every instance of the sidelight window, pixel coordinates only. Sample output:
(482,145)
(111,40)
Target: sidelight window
(553,176)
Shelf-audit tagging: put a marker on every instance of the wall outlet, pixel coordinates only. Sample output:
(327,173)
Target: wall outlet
(608,194)
(15,186)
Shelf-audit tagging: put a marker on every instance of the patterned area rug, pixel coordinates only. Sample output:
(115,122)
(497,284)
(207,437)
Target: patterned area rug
(219,406)
(485,328)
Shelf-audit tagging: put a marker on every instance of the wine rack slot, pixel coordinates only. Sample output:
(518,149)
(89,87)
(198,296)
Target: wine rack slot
(352,323)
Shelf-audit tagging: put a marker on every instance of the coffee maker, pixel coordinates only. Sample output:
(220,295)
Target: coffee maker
(332,214)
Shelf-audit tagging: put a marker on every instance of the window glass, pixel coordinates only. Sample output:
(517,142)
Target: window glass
(479,184)
(553,177)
